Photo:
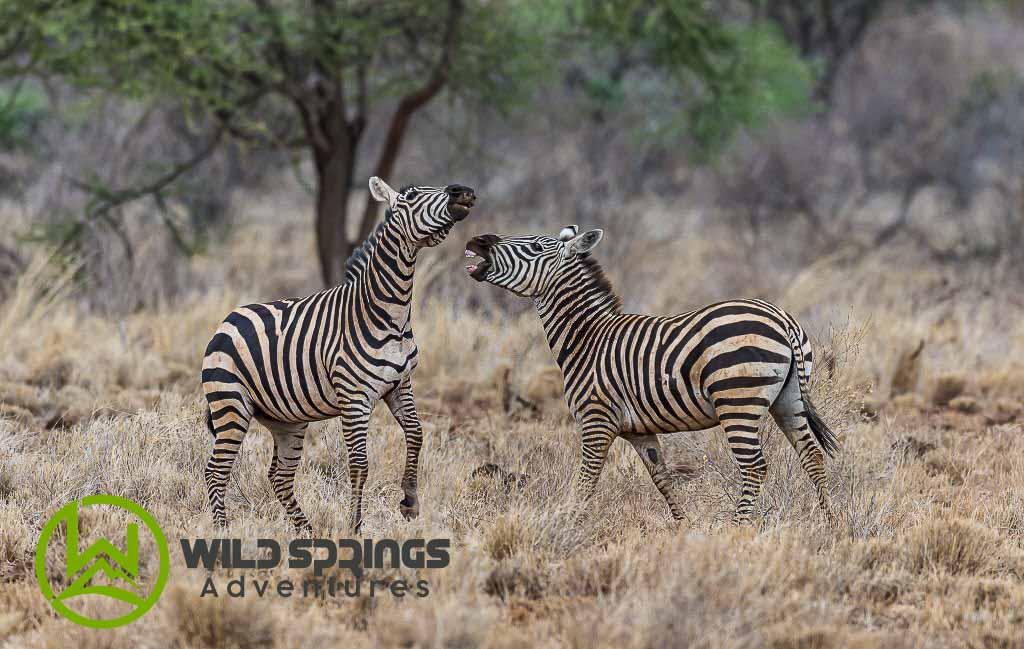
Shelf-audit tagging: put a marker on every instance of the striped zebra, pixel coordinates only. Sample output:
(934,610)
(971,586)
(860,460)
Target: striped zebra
(331,354)
(640,376)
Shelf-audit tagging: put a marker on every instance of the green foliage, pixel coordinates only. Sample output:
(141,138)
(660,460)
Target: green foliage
(693,74)
(249,58)
(22,110)
(765,80)
(253,61)
(513,49)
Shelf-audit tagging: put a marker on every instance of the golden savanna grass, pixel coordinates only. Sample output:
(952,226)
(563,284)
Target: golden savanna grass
(924,388)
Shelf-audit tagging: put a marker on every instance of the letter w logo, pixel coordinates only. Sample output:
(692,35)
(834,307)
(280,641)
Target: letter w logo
(105,558)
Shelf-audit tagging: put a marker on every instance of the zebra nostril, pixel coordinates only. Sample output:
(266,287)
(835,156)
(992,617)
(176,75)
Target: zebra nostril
(460,192)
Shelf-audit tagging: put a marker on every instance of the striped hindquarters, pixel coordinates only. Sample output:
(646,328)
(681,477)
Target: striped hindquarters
(269,359)
(688,372)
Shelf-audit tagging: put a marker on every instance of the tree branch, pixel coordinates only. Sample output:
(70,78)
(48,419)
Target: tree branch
(916,184)
(276,44)
(11,48)
(362,100)
(105,199)
(409,105)
(317,139)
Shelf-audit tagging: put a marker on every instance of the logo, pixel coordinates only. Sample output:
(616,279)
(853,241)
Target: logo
(102,569)
(347,562)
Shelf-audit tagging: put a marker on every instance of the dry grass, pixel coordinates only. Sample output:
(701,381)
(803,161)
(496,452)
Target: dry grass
(929,487)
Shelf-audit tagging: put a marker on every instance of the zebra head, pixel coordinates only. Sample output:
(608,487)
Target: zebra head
(425,215)
(530,265)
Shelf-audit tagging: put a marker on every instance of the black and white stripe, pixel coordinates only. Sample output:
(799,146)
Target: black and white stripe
(331,354)
(639,376)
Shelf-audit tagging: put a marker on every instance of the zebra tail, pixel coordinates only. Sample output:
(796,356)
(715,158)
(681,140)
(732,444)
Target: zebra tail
(209,421)
(826,438)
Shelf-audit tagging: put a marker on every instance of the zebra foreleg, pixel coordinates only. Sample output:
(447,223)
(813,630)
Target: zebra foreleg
(355,418)
(402,405)
(598,435)
(288,440)
(649,449)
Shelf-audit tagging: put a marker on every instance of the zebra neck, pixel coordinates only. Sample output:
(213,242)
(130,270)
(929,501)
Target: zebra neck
(386,283)
(574,308)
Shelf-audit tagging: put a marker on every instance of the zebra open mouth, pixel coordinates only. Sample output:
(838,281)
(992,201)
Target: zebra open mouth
(480,264)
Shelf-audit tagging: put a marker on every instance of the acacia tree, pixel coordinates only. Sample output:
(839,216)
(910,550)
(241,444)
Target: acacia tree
(700,72)
(308,75)
(826,31)
(284,74)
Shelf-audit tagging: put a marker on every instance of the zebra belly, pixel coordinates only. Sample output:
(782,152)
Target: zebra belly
(667,410)
(379,372)
(299,392)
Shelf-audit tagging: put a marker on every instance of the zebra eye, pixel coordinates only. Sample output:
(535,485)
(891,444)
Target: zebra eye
(411,194)
(536,247)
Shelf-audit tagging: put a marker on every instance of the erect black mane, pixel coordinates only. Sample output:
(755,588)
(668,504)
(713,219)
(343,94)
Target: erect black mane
(357,261)
(597,278)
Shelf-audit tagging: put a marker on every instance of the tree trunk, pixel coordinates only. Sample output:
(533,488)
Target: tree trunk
(334,183)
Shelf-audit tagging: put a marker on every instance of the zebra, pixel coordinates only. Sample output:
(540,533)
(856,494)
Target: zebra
(335,353)
(639,376)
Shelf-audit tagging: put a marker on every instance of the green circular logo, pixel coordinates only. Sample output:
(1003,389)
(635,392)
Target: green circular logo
(102,558)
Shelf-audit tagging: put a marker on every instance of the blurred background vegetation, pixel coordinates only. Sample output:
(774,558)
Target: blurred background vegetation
(143,141)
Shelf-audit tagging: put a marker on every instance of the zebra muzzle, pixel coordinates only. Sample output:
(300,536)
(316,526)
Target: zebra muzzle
(478,253)
(461,201)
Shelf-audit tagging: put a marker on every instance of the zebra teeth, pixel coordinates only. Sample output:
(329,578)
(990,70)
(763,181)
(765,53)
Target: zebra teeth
(470,254)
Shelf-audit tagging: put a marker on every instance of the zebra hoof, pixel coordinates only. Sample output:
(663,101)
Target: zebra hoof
(410,508)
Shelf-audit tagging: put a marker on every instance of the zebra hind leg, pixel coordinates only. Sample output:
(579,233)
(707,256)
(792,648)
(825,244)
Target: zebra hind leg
(790,413)
(229,424)
(740,417)
(288,441)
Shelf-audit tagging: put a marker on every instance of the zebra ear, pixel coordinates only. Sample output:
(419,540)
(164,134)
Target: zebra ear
(584,243)
(381,191)
(568,232)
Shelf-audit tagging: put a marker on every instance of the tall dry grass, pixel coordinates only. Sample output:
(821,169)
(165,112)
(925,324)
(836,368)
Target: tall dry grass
(929,553)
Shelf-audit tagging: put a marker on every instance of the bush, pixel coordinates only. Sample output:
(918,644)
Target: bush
(22,112)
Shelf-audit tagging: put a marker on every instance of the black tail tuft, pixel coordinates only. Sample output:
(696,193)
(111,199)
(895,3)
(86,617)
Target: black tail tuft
(826,438)
(209,422)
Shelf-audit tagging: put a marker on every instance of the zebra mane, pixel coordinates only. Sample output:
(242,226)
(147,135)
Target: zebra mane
(599,281)
(357,261)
